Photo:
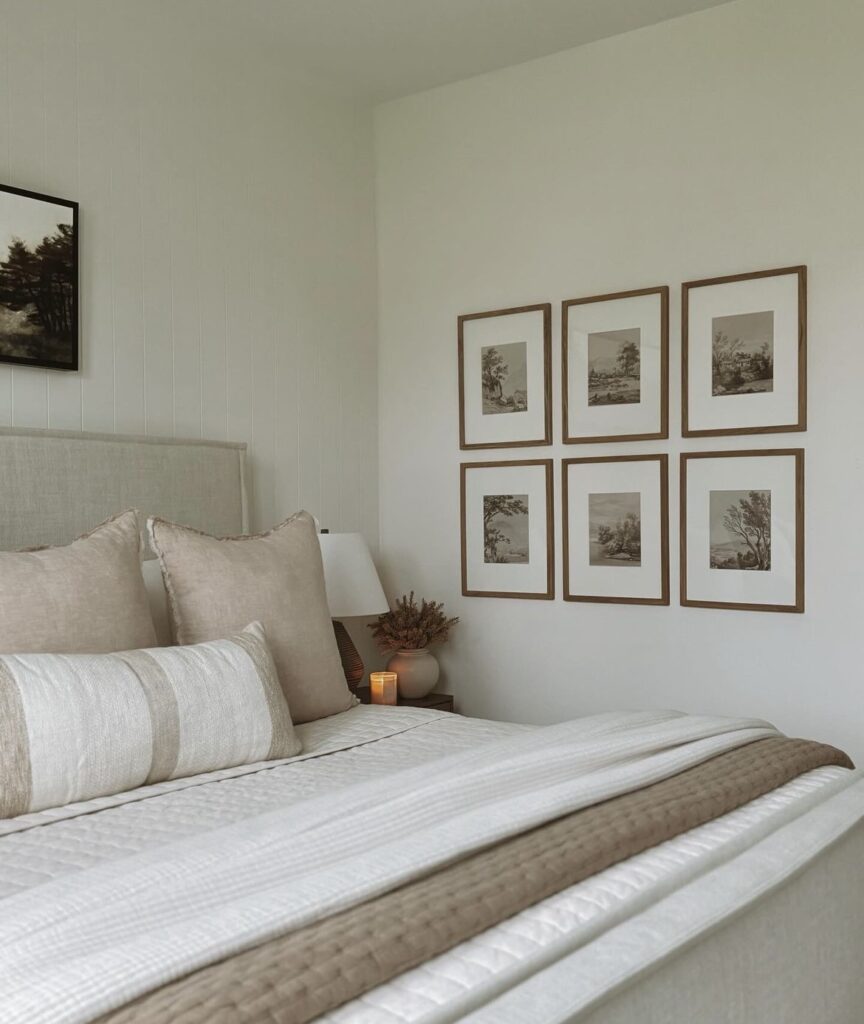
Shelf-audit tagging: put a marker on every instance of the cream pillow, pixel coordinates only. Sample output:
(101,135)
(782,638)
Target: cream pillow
(78,726)
(216,585)
(86,596)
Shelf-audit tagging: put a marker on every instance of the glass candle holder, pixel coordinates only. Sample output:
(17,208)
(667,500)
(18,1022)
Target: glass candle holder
(382,687)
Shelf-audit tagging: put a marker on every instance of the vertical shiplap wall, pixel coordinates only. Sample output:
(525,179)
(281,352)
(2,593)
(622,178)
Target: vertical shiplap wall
(227,243)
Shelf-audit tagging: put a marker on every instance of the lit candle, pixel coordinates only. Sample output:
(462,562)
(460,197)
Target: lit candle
(383,687)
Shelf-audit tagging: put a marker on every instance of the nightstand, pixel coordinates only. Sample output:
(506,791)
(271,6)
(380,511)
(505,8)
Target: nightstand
(439,701)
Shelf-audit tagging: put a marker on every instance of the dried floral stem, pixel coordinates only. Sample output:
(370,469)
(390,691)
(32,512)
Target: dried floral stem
(409,627)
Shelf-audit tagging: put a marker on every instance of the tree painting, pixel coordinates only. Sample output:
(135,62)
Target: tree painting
(614,367)
(615,528)
(628,359)
(742,354)
(505,528)
(38,271)
(493,370)
(624,538)
(504,378)
(741,530)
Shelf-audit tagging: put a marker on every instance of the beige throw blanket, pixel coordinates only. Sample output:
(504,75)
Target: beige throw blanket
(90,942)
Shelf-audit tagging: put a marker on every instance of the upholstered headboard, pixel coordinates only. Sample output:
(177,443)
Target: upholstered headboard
(56,485)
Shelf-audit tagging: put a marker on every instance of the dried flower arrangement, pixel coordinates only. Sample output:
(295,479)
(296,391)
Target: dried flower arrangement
(412,627)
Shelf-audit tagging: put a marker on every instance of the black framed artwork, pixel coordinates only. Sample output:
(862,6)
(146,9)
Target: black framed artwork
(38,280)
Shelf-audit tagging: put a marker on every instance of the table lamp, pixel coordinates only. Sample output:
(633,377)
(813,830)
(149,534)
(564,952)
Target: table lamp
(353,590)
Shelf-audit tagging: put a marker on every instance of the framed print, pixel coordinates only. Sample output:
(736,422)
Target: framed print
(744,353)
(38,280)
(615,367)
(507,529)
(616,529)
(505,378)
(742,530)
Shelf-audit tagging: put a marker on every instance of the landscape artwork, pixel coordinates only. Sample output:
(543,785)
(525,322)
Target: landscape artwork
(742,354)
(504,378)
(615,529)
(614,367)
(505,528)
(740,530)
(38,281)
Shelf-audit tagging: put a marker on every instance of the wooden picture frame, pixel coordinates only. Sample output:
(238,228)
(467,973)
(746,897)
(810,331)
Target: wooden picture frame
(38,310)
(787,409)
(795,500)
(649,423)
(660,512)
(479,431)
(506,473)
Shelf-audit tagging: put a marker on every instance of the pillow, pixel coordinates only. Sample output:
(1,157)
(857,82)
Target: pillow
(216,585)
(86,596)
(155,586)
(78,726)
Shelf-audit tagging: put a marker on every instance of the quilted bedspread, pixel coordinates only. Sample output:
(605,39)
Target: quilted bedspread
(296,978)
(89,942)
(81,879)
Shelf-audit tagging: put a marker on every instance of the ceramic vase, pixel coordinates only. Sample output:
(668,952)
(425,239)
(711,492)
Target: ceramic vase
(417,671)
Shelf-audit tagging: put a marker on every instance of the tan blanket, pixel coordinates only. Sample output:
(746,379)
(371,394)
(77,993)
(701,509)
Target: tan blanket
(295,978)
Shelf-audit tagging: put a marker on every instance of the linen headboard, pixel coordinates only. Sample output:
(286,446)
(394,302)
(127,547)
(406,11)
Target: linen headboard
(56,485)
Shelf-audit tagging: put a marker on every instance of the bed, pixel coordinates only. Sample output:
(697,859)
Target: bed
(754,915)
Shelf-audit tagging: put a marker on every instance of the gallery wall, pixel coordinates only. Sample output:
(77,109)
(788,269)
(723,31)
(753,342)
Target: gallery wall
(715,144)
(227,243)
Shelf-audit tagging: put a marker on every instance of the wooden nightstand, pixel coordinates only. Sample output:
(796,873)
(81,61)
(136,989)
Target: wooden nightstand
(439,701)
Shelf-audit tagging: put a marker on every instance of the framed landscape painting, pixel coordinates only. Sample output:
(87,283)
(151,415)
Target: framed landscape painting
(38,280)
(742,530)
(616,529)
(744,353)
(505,378)
(507,529)
(615,367)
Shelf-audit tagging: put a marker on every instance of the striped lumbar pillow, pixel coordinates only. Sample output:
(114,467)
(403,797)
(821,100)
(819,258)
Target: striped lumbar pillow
(77,726)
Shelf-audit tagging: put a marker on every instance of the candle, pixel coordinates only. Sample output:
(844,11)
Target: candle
(383,687)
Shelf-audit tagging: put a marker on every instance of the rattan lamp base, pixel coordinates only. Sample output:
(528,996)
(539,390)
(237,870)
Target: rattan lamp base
(352,663)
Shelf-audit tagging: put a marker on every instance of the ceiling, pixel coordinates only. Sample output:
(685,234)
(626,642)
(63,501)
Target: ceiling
(381,49)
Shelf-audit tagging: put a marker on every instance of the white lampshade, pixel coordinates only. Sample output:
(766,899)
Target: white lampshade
(353,587)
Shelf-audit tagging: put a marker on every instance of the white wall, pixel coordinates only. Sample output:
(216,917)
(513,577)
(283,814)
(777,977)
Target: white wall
(722,142)
(227,243)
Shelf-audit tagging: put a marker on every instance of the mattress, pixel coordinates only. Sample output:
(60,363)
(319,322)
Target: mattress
(366,743)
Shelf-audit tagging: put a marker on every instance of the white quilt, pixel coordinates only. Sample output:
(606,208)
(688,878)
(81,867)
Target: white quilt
(86,942)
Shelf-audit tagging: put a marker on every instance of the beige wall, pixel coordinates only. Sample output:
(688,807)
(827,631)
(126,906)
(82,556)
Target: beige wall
(722,142)
(227,243)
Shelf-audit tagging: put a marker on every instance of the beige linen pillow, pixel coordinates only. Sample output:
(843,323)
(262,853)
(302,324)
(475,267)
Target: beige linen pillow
(77,726)
(215,585)
(155,586)
(86,596)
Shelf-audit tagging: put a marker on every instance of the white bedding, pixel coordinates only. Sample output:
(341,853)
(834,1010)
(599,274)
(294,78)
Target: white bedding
(363,744)
(448,986)
(358,745)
